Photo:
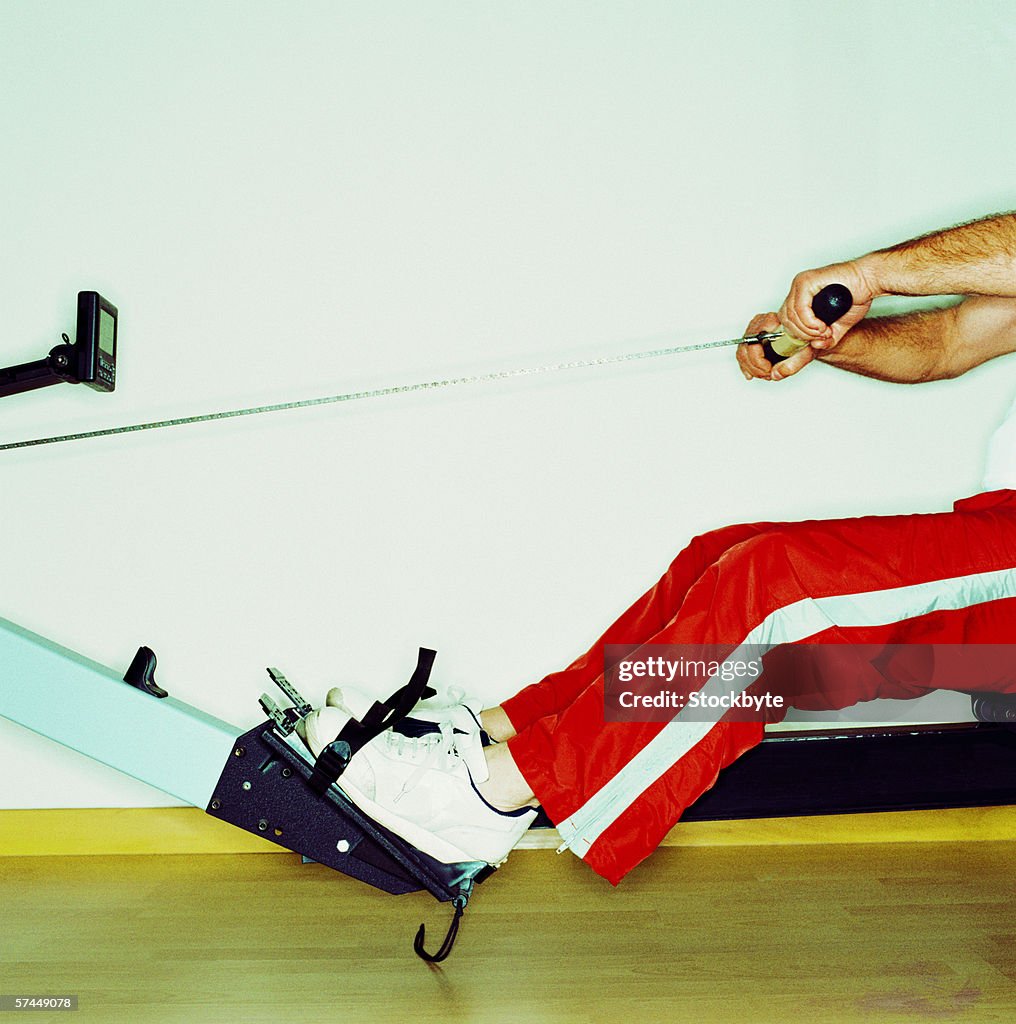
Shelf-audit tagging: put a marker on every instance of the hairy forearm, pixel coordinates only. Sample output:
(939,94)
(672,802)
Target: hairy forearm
(906,349)
(929,345)
(978,258)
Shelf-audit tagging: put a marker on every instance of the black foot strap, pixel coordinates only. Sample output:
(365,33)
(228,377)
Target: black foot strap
(449,939)
(332,761)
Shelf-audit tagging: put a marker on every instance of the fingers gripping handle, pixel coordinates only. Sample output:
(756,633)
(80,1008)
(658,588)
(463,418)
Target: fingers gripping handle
(828,305)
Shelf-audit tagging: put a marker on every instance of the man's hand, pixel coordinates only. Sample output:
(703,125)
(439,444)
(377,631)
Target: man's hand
(754,364)
(796,317)
(796,313)
(976,260)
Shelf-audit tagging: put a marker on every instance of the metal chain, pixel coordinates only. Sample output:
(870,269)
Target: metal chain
(352,396)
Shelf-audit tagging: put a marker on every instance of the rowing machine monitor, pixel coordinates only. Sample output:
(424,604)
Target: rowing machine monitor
(96,341)
(90,360)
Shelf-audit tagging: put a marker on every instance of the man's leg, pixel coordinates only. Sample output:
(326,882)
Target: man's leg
(615,789)
(644,619)
(434,793)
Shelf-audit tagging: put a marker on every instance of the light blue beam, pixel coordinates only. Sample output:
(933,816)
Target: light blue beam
(88,707)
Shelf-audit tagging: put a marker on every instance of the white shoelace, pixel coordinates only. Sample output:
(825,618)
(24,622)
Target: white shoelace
(432,750)
(435,750)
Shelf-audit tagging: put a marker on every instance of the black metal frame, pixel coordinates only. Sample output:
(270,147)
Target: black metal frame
(265,789)
(268,788)
(851,771)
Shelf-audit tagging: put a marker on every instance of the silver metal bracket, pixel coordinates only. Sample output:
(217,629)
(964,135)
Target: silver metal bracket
(276,714)
(762,337)
(285,719)
(303,708)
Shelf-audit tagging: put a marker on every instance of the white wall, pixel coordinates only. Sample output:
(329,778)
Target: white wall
(295,199)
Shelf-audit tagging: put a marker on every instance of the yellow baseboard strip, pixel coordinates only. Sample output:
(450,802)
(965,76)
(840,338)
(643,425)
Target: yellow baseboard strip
(133,830)
(81,831)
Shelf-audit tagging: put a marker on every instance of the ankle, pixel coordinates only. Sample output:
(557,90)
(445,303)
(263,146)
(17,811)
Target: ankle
(505,788)
(496,724)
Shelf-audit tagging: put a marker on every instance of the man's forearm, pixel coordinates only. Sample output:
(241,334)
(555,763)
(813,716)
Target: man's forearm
(907,349)
(978,258)
(929,345)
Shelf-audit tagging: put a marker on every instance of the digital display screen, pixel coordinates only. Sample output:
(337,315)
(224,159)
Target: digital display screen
(107,333)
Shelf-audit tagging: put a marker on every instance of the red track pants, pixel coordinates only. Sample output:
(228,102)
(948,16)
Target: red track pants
(614,789)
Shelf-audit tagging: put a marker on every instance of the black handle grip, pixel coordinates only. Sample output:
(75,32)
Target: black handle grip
(828,305)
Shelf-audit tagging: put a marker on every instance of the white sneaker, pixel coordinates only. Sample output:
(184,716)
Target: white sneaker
(420,788)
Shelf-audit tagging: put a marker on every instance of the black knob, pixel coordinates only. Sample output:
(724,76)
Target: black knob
(832,302)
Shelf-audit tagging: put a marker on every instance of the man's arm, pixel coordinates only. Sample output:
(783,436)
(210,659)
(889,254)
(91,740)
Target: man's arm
(978,258)
(934,345)
(908,349)
(975,259)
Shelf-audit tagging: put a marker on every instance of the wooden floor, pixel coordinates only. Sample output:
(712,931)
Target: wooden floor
(823,934)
